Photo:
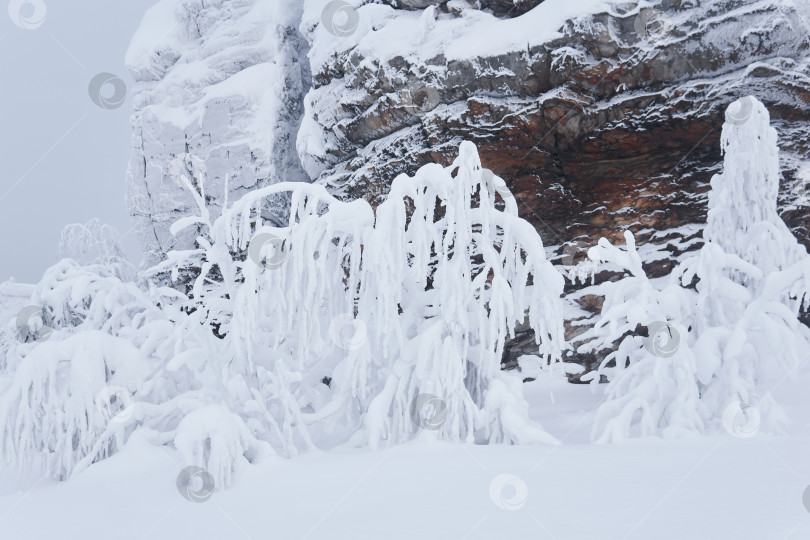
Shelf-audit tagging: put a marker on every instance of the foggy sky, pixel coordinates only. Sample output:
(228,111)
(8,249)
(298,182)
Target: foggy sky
(63,159)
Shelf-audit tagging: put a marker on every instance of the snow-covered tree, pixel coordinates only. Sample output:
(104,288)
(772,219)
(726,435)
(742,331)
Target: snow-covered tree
(433,284)
(653,388)
(60,406)
(95,242)
(345,324)
(737,332)
(751,274)
(469,275)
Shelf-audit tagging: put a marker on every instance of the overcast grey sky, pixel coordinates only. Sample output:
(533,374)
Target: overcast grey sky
(63,159)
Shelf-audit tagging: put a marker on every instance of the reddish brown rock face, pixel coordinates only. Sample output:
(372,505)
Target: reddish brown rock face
(599,131)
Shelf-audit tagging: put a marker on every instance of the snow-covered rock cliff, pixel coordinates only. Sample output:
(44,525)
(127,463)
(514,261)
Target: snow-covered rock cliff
(219,88)
(600,115)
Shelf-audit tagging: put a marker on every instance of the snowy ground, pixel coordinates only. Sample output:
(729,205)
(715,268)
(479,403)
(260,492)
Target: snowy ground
(718,487)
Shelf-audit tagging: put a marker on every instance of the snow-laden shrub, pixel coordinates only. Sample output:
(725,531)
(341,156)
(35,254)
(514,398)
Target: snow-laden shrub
(448,338)
(415,300)
(653,387)
(73,298)
(751,274)
(89,296)
(736,335)
(345,324)
(743,217)
(217,440)
(66,399)
(95,242)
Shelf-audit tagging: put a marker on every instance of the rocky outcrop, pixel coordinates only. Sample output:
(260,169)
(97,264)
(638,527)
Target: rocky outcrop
(612,122)
(219,88)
